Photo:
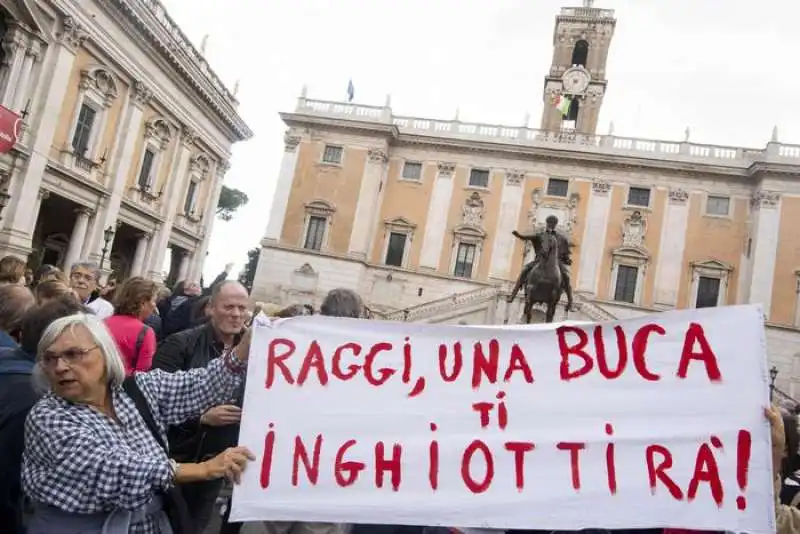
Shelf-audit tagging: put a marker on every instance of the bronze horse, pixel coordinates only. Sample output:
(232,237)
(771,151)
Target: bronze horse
(543,285)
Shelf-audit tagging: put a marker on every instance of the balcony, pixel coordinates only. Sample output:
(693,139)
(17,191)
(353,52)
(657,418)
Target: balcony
(145,198)
(190,223)
(521,136)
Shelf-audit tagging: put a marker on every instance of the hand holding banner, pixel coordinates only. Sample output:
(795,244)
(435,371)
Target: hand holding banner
(652,422)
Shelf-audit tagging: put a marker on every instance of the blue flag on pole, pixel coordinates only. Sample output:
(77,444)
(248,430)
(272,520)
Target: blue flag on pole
(351,91)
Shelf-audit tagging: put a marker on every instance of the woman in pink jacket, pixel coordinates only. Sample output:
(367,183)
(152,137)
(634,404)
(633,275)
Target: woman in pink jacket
(135,301)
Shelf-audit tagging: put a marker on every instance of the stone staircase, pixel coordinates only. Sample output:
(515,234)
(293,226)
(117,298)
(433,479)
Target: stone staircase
(492,295)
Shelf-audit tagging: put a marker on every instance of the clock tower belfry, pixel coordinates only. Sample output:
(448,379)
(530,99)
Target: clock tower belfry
(581,42)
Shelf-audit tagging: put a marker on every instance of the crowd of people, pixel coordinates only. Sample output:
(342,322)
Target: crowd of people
(120,405)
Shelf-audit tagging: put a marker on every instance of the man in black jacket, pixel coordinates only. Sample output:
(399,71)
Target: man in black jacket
(218,428)
(17,397)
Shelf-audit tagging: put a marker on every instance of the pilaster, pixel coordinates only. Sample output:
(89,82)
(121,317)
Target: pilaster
(367,206)
(280,200)
(438,210)
(593,242)
(766,215)
(510,207)
(670,264)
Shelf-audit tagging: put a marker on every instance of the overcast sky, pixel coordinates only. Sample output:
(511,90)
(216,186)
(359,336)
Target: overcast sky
(725,68)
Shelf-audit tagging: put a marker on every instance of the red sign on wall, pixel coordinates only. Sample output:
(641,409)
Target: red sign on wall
(10,125)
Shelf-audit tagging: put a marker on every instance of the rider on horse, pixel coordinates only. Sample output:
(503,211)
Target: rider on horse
(565,258)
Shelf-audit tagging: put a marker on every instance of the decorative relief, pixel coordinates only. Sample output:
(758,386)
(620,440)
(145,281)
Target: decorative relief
(399,225)
(765,199)
(290,142)
(35,50)
(515,178)
(320,208)
(72,34)
(141,93)
(103,82)
(158,130)
(223,167)
(376,155)
(189,135)
(600,187)
(446,170)
(678,196)
(473,210)
(633,230)
(567,213)
(200,165)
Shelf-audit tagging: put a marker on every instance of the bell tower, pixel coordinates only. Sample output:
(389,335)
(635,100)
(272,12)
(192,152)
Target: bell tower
(576,84)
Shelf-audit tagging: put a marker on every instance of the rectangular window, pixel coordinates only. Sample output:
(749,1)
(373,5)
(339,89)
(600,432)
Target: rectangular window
(396,249)
(707,292)
(315,232)
(145,173)
(332,154)
(626,283)
(191,194)
(465,259)
(412,170)
(478,178)
(639,196)
(718,205)
(557,187)
(83,130)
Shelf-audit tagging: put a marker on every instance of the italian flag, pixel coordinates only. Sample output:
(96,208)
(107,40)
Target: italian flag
(562,104)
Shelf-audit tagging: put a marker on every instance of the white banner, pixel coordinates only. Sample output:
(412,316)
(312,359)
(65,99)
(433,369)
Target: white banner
(650,422)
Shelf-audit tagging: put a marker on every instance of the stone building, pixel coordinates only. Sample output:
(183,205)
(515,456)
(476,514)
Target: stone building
(416,214)
(126,137)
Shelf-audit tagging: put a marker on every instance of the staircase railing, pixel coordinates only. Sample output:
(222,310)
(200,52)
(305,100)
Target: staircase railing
(427,309)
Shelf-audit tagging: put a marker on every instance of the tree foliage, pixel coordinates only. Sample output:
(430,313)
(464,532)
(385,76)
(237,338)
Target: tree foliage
(230,200)
(248,274)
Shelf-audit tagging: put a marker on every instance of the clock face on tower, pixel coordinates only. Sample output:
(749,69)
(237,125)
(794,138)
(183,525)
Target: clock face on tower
(575,80)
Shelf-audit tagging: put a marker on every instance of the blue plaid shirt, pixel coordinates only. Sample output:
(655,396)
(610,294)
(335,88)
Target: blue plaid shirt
(78,460)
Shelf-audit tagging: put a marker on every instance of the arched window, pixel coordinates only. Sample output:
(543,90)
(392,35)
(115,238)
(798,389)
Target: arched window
(574,108)
(580,54)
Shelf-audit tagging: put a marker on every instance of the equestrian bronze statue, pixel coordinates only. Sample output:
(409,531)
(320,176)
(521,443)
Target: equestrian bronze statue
(547,275)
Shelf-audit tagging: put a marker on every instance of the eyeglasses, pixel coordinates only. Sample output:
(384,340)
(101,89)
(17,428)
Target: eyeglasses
(72,356)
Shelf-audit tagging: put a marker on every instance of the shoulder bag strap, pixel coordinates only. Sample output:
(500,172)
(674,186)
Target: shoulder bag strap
(135,393)
(138,349)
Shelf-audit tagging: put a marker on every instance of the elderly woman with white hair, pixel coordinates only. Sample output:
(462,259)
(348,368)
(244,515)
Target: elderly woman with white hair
(95,459)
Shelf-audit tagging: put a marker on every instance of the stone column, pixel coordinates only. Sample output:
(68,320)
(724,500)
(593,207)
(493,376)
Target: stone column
(73,254)
(510,205)
(32,54)
(14,45)
(139,255)
(43,195)
(209,216)
(280,201)
(176,184)
(183,268)
(120,163)
(766,216)
(59,62)
(593,243)
(438,210)
(673,242)
(367,206)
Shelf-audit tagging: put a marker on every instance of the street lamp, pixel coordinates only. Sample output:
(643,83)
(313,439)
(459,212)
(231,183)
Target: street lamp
(773,374)
(108,235)
(4,198)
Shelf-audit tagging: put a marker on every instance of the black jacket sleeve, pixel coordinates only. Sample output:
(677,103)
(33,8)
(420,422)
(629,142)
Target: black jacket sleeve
(171,355)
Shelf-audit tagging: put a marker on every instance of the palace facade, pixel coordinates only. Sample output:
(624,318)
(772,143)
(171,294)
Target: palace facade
(126,137)
(416,214)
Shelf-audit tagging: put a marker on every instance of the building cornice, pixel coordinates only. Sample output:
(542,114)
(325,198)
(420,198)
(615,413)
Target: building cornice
(150,20)
(353,126)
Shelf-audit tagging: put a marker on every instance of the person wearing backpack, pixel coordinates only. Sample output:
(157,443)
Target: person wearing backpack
(134,302)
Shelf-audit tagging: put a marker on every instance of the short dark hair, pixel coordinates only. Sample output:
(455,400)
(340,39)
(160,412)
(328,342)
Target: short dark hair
(15,300)
(342,303)
(38,318)
(132,294)
(51,289)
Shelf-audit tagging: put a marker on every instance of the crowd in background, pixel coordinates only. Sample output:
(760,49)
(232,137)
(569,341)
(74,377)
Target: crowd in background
(120,405)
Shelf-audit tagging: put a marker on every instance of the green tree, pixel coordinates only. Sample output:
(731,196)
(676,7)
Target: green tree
(248,274)
(230,200)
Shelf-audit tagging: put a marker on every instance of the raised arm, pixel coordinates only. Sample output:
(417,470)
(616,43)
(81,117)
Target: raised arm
(525,237)
(69,466)
(185,395)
